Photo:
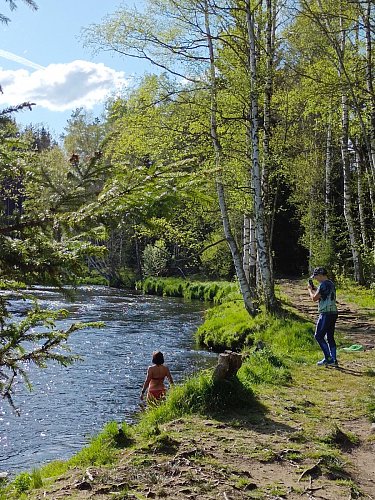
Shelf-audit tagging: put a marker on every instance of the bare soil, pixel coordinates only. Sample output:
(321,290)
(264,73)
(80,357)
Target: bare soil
(310,440)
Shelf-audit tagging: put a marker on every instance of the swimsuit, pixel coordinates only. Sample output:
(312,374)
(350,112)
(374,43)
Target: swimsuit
(156,393)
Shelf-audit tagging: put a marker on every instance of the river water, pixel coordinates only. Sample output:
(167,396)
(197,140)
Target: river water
(68,405)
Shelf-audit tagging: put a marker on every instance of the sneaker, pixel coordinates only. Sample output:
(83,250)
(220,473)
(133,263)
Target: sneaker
(325,362)
(334,363)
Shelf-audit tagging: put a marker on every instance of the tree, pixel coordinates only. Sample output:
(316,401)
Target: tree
(13,5)
(141,38)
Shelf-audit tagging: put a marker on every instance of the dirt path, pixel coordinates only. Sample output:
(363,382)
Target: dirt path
(355,323)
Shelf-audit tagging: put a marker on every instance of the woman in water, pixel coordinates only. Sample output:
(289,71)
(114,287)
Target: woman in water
(155,378)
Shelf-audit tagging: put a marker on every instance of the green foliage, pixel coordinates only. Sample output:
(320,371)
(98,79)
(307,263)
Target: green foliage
(216,260)
(155,258)
(22,482)
(210,291)
(33,339)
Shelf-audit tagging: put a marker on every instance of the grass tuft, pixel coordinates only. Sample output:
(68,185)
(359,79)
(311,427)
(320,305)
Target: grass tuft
(202,396)
(341,439)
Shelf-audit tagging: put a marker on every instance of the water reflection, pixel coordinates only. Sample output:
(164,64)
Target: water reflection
(69,404)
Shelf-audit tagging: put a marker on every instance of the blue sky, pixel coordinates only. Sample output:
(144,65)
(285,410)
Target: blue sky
(42,60)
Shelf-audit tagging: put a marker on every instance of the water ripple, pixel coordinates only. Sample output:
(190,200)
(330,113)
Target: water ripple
(68,405)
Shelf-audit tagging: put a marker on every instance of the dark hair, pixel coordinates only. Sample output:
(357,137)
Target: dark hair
(157,358)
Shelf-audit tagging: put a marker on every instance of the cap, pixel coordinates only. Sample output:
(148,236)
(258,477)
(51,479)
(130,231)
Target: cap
(319,270)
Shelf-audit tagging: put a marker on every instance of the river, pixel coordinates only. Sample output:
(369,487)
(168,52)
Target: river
(68,405)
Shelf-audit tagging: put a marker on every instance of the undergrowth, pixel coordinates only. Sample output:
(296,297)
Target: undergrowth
(209,291)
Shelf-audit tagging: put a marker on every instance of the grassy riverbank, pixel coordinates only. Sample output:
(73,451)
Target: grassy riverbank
(282,428)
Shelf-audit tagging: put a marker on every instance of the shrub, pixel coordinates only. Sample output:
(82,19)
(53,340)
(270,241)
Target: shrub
(155,258)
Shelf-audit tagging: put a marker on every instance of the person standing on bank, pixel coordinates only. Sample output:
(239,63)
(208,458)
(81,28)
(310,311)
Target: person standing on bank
(325,294)
(155,378)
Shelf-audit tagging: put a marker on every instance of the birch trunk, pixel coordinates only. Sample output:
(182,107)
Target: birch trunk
(247,294)
(358,276)
(259,209)
(328,174)
(246,246)
(370,87)
(267,107)
(361,202)
(253,257)
(267,155)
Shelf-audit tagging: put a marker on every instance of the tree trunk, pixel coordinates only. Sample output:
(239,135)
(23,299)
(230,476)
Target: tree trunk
(246,246)
(358,276)
(361,201)
(370,87)
(247,294)
(328,172)
(255,171)
(253,256)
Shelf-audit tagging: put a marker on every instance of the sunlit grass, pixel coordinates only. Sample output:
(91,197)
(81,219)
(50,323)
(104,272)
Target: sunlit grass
(198,395)
(209,291)
(361,296)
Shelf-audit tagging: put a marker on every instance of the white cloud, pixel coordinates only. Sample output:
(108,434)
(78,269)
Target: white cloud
(61,87)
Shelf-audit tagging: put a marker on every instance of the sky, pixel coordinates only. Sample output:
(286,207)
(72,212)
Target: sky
(43,61)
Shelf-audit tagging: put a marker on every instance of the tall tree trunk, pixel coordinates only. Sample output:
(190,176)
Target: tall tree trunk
(253,256)
(249,251)
(267,155)
(357,265)
(246,246)
(370,87)
(328,175)
(263,249)
(247,294)
(371,192)
(138,257)
(361,201)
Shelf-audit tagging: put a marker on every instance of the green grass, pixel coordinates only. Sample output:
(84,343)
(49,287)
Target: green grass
(229,326)
(263,367)
(356,294)
(199,395)
(102,450)
(209,291)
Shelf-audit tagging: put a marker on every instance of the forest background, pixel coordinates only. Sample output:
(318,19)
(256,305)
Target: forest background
(249,154)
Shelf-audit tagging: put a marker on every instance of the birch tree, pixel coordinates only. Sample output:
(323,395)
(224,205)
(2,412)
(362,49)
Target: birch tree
(187,40)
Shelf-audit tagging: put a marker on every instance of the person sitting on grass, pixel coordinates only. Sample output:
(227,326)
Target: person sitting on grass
(325,326)
(155,378)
